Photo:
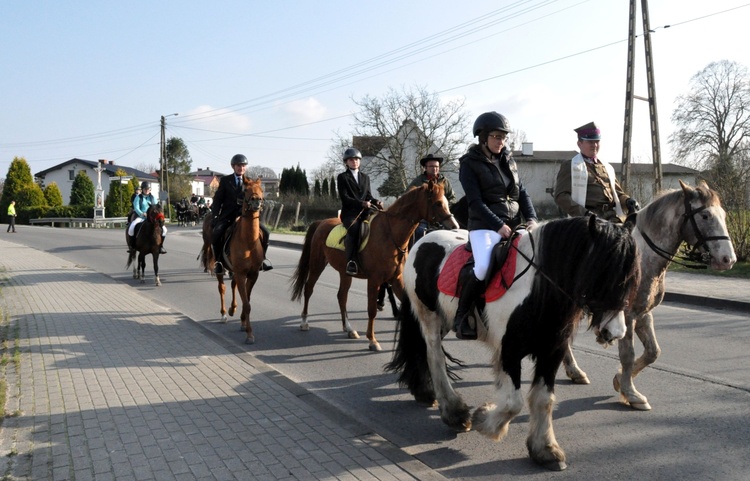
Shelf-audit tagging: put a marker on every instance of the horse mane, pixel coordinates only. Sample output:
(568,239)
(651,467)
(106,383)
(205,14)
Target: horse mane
(599,269)
(403,205)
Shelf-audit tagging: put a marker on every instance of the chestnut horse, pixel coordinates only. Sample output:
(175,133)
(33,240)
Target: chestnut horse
(147,241)
(690,215)
(381,260)
(244,256)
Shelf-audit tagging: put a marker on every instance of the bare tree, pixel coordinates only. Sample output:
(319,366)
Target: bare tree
(713,133)
(146,167)
(334,163)
(411,123)
(255,171)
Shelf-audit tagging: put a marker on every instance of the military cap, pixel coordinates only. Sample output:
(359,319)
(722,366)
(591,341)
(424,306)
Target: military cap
(588,132)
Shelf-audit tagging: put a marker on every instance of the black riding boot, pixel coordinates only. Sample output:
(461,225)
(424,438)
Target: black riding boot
(351,243)
(266,264)
(131,247)
(218,267)
(469,292)
(162,250)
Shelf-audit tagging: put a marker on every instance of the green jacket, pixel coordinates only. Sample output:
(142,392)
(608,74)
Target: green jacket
(422,179)
(12,210)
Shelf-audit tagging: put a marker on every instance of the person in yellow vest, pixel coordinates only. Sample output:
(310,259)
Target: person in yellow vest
(12,216)
(587,184)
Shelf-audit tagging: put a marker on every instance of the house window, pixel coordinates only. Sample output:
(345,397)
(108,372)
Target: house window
(72,174)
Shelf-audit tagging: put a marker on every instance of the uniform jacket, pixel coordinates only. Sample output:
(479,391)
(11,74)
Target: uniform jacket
(448,189)
(491,203)
(12,210)
(599,197)
(352,194)
(141,203)
(227,202)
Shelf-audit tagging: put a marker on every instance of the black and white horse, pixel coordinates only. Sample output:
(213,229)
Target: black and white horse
(564,269)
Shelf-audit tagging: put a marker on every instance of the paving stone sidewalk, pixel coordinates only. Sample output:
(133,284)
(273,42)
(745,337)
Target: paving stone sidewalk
(109,385)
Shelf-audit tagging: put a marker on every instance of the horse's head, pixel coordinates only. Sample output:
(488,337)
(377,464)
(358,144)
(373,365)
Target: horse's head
(155,215)
(705,229)
(434,207)
(252,201)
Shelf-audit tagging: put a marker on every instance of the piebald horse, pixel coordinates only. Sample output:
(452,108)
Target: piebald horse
(564,268)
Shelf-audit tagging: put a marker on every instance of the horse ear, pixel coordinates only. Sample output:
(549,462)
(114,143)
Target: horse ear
(688,191)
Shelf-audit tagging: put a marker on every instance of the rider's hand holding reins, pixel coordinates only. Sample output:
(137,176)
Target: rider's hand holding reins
(504,231)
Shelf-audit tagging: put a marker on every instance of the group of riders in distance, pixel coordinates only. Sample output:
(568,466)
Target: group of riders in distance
(517,285)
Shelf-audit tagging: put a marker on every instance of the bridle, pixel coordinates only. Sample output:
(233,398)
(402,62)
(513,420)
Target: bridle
(701,258)
(252,205)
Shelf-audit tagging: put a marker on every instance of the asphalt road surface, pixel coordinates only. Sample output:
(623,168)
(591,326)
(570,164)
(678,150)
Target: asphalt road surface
(699,388)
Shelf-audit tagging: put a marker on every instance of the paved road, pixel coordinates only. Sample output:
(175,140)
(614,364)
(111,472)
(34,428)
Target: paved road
(115,383)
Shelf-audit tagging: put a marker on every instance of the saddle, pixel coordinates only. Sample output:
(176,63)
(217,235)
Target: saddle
(335,239)
(500,275)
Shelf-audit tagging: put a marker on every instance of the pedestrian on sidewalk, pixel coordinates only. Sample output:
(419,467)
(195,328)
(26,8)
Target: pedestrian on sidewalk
(12,216)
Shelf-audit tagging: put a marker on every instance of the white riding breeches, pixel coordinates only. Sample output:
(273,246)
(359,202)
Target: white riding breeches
(482,242)
(138,220)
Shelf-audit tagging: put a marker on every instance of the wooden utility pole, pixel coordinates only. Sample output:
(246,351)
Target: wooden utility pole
(651,99)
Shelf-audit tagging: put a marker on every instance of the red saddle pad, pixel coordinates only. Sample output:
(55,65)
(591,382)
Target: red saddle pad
(448,278)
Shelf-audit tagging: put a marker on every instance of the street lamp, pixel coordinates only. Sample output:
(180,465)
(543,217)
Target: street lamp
(163,161)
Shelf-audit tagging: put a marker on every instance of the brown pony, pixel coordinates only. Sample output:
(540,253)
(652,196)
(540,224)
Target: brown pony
(245,254)
(147,241)
(381,260)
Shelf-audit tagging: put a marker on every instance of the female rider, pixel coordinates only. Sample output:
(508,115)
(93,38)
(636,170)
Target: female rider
(141,203)
(496,199)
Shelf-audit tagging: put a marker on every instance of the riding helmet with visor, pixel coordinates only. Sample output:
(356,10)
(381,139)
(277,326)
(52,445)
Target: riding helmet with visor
(489,122)
(145,185)
(239,159)
(352,153)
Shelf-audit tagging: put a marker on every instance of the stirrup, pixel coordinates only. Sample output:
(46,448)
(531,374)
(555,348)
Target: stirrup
(218,268)
(351,268)
(162,250)
(266,265)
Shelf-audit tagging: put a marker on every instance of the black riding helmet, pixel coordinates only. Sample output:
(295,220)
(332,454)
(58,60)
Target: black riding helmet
(145,185)
(239,159)
(488,122)
(352,153)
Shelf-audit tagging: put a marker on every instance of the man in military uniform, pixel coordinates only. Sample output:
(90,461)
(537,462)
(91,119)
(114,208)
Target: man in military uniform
(586,184)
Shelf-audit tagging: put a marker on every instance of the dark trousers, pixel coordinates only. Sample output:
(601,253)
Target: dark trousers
(12,223)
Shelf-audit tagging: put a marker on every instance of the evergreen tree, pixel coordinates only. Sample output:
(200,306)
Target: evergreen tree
(82,190)
(324,191)
(53,195)
(20,186)
(334,194)
(179,164)
(117,203)
(317,191)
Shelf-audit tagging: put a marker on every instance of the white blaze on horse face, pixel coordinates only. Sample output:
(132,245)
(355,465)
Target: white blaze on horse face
(723,256)
(612,327)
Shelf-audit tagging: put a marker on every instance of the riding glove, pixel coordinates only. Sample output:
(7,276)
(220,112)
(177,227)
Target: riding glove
(632,205)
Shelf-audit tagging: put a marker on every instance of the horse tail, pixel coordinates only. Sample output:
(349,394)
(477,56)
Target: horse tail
(131,258)
(410,356)
(299,279)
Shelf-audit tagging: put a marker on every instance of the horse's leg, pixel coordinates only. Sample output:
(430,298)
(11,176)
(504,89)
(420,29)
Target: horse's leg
(623,381)
(156,268)
(245,292)
(541,443)
(453,410)
(372,309)
(492,419)
(345,282)
(233,306)
(575,373)
(317,265)
(142,267)
(222,290)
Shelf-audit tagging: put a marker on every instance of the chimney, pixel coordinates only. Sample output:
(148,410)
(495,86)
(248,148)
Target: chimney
(111,162)
(527,148)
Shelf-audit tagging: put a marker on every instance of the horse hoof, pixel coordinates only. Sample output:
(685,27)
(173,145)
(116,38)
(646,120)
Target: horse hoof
(616,382)
(554,465)
(584,379)
(353,335)
(640,406)
(250,340)
(304,326)
(224,319)
(158,282)
(375,347)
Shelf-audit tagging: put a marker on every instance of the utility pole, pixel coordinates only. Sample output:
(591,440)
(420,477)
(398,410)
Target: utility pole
(651,99)
(164,177)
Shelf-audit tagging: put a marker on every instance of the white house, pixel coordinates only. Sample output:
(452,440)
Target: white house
(64,174)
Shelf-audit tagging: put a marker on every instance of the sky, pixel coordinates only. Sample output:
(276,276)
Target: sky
(277,81)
